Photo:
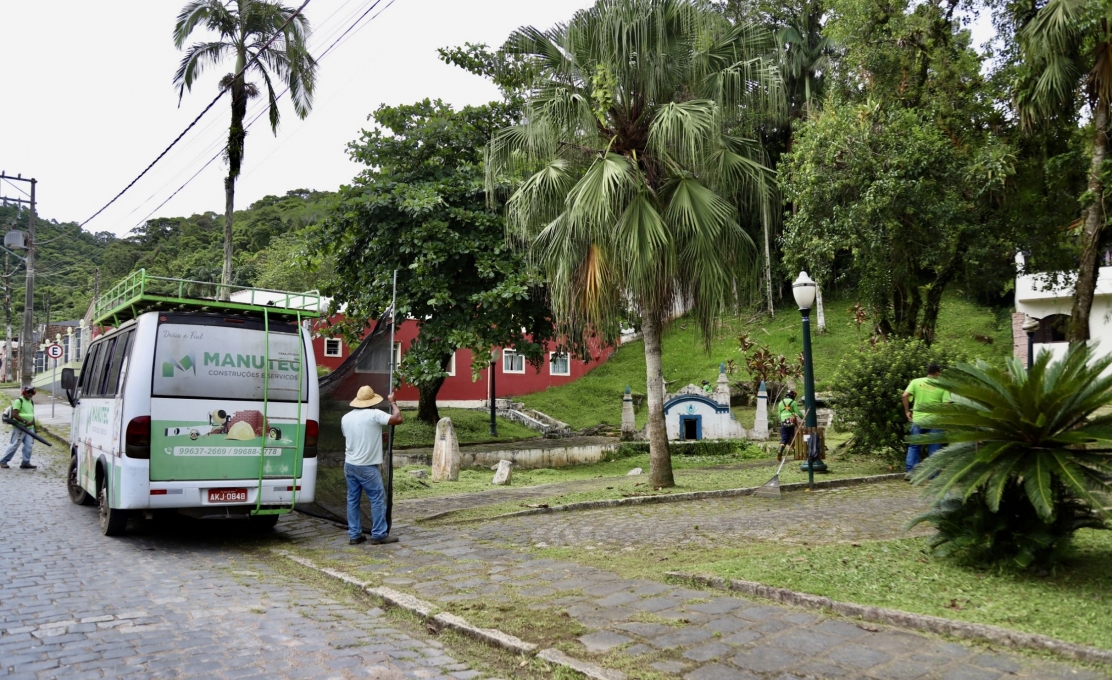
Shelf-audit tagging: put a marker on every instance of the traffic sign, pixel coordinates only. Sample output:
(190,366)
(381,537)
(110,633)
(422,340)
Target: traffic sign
(54,351)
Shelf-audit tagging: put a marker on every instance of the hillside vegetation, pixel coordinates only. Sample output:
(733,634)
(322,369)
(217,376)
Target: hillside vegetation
(597,397)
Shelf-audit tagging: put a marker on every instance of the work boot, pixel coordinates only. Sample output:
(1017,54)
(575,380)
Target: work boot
(4,466)
(384,540)
(27,466)
(361,538)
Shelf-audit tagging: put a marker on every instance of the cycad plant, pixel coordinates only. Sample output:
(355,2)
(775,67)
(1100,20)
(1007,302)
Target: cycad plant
(634,171)
(1027,461)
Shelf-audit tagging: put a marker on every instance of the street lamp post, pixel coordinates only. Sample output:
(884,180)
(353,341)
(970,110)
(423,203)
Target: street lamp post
(493,422)
(804,291)
(1030,325)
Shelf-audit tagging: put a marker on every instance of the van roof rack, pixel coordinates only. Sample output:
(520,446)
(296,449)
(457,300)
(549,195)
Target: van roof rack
(140,292)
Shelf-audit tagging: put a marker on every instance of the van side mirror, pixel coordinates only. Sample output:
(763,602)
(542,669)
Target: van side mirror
(68,380)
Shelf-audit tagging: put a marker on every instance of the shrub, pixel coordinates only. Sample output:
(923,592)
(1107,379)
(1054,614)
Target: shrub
(1027,461)
(867,388)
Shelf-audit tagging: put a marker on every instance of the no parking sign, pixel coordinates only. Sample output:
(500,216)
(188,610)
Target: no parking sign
(54,351)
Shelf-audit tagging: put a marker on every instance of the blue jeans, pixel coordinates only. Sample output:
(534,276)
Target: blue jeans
(914,451)
(367,478)
(17,437)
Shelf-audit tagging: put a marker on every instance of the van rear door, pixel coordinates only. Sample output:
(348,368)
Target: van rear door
(226,398)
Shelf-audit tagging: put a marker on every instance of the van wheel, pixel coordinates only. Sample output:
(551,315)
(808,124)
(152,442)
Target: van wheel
(262,522)
(113,522)
(76,493)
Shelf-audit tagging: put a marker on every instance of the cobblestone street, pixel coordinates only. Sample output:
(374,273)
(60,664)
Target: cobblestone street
(660,628)
(173,601)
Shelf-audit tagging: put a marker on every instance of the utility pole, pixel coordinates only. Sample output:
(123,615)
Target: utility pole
(8,375)
(27,344)
(27,337)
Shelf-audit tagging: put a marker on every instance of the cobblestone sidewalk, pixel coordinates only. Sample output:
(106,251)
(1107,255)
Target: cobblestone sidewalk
(654,629)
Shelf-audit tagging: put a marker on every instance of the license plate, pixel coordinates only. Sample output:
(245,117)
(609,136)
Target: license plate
(227,495)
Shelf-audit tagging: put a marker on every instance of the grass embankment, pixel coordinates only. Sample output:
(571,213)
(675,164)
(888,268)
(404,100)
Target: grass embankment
(472,427)
(1074,603)
(597,486)
(597,397)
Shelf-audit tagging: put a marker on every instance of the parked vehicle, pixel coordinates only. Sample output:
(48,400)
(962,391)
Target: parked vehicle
(189,404)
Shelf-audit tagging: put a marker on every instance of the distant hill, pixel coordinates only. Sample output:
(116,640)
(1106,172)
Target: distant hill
(182,247)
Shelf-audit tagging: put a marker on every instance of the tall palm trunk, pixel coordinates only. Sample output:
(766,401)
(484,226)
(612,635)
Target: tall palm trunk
(236,137)
(660,462)
(1090,238)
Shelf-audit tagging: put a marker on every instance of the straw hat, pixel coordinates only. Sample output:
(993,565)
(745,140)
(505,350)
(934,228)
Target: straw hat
(366,397)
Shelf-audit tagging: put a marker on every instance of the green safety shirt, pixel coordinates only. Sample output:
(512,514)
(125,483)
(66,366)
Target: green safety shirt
(923,391)
(788,408)
(26,410)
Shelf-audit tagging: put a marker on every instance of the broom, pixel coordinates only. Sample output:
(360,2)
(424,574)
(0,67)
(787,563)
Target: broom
(771,488)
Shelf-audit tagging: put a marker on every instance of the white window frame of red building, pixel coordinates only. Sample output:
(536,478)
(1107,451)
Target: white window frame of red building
(452,366)
(552,363)
(514,358)
(339,347)
(397,354)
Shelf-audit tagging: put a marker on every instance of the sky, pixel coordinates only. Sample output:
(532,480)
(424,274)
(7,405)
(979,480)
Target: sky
(91,102)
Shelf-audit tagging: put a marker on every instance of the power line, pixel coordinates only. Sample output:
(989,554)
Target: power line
(250,63)
(263,111)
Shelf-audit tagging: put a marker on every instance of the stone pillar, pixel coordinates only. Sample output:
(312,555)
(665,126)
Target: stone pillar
(1019,337)
(504,473)
(722,389)
(445,452)
(760,424)
(629,420)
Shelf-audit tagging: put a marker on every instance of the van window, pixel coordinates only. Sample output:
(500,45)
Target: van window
(100,371)
(228,358)
(123,344)
(86,377)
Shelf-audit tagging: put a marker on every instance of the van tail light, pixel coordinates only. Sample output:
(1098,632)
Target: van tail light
(137,438)
(312,429)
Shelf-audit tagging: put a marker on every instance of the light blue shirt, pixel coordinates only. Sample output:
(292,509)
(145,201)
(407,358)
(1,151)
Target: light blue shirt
(363,435)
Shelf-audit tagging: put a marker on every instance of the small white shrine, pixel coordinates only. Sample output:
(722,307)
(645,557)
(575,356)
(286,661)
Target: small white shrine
(693,414)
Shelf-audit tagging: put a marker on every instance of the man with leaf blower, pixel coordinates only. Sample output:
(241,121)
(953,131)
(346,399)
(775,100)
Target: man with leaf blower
(23,412)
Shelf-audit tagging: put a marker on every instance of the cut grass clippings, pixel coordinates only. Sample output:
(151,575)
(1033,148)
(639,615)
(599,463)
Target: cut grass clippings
(1074,603)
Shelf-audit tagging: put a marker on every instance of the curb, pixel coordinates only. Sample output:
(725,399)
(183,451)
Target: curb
(670,498)
(430,612)
(895,617)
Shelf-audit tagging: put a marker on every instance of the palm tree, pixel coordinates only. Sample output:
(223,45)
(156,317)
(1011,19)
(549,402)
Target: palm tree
(243,28)
(806,55)
(1067,46)
(632,204)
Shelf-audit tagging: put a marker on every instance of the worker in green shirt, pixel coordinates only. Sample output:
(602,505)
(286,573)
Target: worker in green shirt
(790,416)
(23,411)
(919,393)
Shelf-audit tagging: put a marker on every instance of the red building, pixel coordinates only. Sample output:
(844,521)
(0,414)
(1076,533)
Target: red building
(513,375)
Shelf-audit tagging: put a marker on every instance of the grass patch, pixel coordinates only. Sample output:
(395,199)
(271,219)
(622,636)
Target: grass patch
(472,427)
(597,397)
(1072,604)
(687,479)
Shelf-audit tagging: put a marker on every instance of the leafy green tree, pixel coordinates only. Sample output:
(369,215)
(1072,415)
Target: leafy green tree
(1027,460)
(895,192)
(807,56)
(636,188)
(1067,46)
(420,209)
(243,28)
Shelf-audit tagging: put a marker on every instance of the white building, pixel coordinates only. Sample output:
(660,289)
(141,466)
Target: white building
(1051,305)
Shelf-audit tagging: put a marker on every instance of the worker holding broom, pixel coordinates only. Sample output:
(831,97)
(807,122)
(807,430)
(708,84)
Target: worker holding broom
(790,417)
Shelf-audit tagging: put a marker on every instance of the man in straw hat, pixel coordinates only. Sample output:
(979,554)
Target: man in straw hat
(362,429)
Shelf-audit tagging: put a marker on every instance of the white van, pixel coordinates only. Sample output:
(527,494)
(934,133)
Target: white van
(211,411)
